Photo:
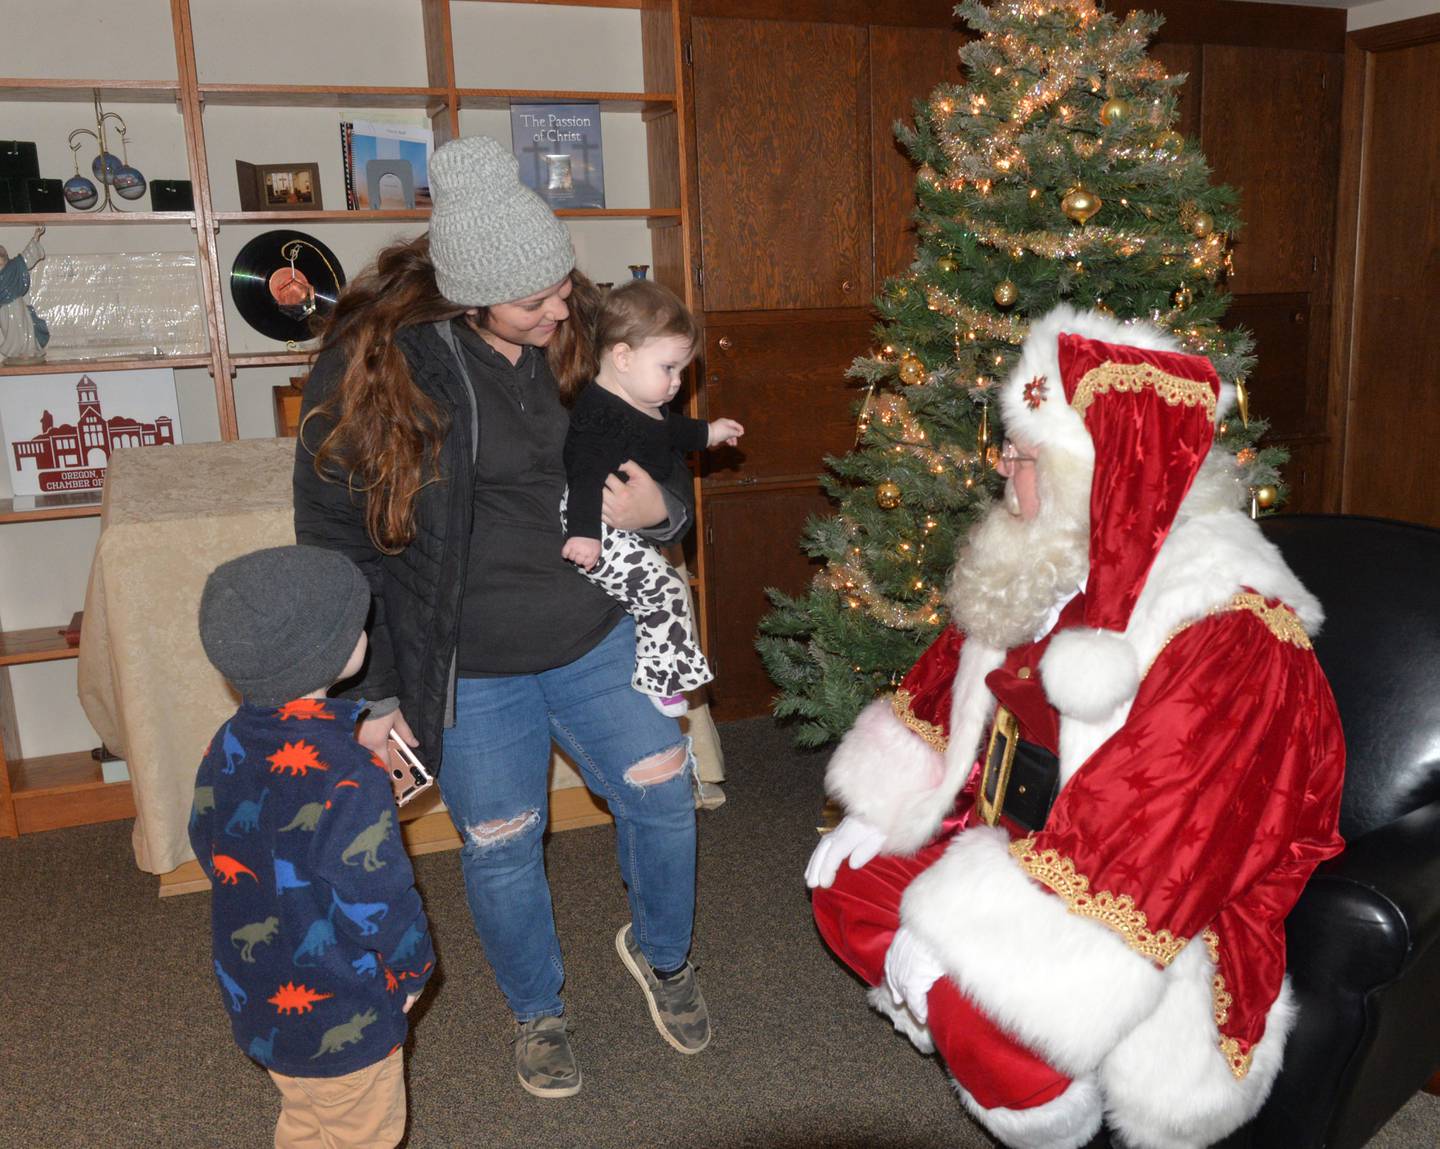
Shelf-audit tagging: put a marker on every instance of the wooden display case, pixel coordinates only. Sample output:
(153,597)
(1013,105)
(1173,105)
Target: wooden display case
(50,791)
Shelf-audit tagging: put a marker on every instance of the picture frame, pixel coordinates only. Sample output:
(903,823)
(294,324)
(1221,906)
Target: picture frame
(279,187)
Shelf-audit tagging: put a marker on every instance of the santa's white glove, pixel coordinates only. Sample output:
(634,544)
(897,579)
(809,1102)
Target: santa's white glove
(911,968)
(854,839)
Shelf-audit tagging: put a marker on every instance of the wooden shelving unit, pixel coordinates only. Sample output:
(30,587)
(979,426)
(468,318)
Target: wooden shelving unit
(63,790)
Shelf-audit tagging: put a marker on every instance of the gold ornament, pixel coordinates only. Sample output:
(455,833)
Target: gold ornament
(1242,402)
(982,435)
(1113,110)
(1265,496)
(1081,205)
(888,496)
(1182,298)
(1006,293)
(1171,141)
(912,371)
(1202,225)
(947,264)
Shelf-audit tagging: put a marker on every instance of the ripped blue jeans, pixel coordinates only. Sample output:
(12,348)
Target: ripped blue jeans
(495,782)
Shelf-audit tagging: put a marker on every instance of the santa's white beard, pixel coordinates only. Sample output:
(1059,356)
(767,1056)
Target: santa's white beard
(1012,572)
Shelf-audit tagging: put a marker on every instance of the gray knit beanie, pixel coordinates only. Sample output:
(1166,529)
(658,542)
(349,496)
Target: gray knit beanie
(492,239)
(281,622)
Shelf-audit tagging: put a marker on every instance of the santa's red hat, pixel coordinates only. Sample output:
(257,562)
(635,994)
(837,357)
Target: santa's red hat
(1125,397)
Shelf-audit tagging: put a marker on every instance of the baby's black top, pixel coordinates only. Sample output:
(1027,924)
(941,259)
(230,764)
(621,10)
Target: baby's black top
(604,432)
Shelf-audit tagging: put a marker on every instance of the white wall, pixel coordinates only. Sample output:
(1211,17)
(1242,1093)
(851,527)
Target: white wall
(1388,12)
(44,565)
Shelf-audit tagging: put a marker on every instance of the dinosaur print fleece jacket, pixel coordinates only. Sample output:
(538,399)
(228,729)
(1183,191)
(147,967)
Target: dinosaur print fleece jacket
(318,931)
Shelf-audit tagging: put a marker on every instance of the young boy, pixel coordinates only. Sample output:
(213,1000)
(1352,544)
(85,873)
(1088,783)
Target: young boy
(320,942)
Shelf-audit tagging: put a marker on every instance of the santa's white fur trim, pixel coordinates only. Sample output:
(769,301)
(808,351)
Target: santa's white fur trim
(1067,1122)
(1088,673)
(901,1018)
(1064,985)
(891,777)
(1054,423)
(1168,1086)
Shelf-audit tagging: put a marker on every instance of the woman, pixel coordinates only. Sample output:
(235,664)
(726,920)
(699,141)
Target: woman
(431,453)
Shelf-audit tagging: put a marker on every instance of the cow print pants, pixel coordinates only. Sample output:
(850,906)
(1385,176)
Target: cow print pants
(668,659)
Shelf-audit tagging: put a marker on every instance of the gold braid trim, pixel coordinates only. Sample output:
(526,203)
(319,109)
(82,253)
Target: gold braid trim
(1281,621)
(1136,377)
(1238,1059)
(932,734)
(1119,914)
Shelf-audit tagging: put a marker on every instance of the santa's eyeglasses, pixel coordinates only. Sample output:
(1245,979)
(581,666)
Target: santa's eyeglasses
(1010,460)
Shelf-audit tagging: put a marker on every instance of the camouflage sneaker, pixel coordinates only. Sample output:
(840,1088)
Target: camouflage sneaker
(543,1059)
(676,1005)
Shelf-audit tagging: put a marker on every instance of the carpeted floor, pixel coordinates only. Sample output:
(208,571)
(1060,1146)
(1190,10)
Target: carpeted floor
(111,1033)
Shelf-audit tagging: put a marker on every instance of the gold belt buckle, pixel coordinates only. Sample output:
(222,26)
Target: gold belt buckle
(999,756)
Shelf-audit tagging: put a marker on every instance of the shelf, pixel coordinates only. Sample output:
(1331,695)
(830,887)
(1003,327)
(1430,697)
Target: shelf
(422,214)
(321,96)
(272,358)
(48,218)
(618,212)
(327,216)
(580,3)
(116,91)
(96,366)
(65,790)
(500,98)
(59,508)
(37,644)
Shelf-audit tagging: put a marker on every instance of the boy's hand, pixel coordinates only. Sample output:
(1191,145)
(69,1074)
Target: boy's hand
(409,1001)
(582,552)
(725,431)
(374,734)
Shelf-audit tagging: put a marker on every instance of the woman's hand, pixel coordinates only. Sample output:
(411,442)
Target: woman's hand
(374,733)
(635,505)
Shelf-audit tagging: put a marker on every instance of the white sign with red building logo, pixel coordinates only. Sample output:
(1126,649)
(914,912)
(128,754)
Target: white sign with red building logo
(61,429)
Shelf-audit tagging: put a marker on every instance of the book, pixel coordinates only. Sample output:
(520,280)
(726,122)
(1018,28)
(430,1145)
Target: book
(387,166)
(560,152)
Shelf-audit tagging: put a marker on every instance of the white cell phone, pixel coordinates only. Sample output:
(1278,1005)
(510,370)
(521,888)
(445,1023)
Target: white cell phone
(408,776)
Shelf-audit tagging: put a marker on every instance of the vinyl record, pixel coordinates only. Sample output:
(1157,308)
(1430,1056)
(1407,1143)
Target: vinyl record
(283,282)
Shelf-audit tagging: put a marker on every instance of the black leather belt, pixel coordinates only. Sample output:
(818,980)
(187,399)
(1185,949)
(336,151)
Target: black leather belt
(1020,779)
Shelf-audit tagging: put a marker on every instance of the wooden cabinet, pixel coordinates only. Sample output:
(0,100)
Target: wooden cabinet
(269,83)
(782,131)
(753,535)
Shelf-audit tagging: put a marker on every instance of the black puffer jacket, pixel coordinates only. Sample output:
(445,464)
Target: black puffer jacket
(418,592)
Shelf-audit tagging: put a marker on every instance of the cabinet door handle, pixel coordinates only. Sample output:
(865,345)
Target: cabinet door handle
(725,343)
(847,286)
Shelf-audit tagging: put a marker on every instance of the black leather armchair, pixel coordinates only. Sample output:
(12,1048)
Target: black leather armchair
(1364,939)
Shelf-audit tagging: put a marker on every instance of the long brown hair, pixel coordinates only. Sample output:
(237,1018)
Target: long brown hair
(386,433)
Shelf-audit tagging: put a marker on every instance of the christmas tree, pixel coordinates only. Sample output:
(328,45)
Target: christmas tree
(1055,173)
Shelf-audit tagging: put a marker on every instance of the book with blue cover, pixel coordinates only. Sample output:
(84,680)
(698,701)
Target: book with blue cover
(387,166)
(560,152)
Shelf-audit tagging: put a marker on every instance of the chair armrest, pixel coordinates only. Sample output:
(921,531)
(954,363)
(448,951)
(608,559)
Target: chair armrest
(1365,914)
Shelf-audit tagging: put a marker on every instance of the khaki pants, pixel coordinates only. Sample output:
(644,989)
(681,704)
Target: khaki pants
(361,1110)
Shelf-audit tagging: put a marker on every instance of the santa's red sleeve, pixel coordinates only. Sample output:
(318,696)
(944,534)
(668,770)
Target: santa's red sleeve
(1146,919)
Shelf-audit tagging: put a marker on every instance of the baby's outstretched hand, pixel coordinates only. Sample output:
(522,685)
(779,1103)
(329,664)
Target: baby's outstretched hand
(725,431)
(581,551)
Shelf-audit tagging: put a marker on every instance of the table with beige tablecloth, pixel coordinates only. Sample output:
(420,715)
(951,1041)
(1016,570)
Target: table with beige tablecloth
(170,516)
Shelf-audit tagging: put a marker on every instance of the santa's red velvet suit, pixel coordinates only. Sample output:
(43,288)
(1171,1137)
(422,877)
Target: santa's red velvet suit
(1128,958)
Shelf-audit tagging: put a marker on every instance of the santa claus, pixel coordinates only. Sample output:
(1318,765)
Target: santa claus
(1073,834)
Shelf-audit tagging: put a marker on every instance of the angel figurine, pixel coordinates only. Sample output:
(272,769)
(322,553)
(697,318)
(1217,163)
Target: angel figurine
(23,334)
